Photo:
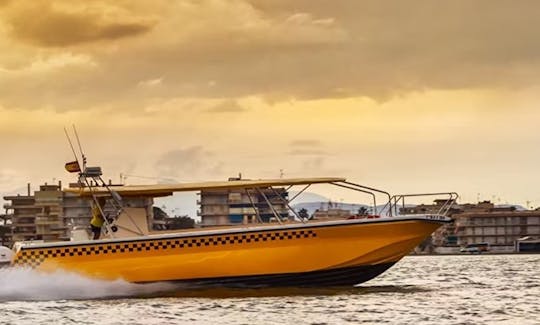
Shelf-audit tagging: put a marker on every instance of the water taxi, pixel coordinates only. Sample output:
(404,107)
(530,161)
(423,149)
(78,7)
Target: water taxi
(294,251)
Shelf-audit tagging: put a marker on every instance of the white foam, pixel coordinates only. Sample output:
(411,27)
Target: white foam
(27,284)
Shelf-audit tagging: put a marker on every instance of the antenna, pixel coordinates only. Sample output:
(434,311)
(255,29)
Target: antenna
(71,145)
(80,147)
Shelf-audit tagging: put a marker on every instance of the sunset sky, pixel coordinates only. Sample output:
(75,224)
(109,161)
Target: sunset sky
(402,95)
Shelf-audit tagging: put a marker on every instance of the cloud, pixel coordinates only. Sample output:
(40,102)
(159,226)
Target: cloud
(308,152)
(227,106)
(307,147)
(276,50)
(150,83)
(52,26)
(10,179)
(313,164)
(52,63)
(306,143)
(188,163)
(6,175)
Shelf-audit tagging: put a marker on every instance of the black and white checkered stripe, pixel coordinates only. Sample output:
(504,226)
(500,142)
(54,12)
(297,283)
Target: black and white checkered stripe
(33,257)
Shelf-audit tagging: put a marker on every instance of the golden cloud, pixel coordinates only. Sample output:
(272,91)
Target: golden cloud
(49,25)
(227,49)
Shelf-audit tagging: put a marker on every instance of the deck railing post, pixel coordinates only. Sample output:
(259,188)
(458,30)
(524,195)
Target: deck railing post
(269,205)
(254,206)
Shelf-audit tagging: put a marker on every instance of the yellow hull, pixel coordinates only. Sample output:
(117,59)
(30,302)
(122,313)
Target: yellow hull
(254,253)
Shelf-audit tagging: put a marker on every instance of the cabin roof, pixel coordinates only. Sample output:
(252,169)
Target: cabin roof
(168,189)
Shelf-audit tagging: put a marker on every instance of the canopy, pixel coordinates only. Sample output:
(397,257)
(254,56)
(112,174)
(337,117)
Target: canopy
(168,189)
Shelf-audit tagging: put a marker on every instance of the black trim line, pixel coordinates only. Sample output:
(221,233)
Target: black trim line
(347,276)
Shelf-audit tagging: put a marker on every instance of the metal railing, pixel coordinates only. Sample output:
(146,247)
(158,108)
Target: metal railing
(396,200)
(393,202)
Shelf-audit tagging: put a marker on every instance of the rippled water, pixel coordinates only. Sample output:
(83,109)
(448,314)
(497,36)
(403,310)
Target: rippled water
(496,289)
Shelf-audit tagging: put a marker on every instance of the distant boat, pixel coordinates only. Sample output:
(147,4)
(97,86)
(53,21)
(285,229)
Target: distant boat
(330,252)
(6,256)
(475,248)
(527,244)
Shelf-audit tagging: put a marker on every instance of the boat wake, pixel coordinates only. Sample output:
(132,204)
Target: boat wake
(18,284)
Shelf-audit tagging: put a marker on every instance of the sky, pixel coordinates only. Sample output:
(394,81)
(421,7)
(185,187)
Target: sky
(412,96)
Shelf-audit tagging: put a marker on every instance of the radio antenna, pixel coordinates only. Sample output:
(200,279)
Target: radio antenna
(71,145)
(80,147)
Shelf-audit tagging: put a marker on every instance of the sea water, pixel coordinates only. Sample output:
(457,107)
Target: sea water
(470,289)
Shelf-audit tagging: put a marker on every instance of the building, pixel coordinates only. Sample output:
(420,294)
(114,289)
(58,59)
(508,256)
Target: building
(49,220)
(22,213)
(5,230)
(50,213)
(38,216)
(331,213)
(77,210)
(238,206)
(500,227)
(438,206)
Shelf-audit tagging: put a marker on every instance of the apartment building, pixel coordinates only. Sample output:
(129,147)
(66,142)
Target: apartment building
(500,228)
(483,222)
(239,206)
(49,214)
(38,216)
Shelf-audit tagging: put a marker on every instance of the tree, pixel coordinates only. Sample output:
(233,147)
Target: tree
(181,222)
(171,223)
(303,213)
(363,211)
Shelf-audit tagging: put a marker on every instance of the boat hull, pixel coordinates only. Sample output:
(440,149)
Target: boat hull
(346,276)
(314,254)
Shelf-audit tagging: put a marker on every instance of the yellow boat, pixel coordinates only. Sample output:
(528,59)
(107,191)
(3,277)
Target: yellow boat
(331,252)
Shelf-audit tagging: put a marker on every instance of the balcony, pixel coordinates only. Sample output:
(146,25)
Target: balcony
(23,224)
(46,222)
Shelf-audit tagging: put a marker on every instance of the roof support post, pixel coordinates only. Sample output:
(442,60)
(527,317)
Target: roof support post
(254,206)
(269,205)
(301,191)
(95,200)
(288,206)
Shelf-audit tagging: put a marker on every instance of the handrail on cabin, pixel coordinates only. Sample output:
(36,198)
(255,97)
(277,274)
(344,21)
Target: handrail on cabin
(443,210)
(360,190)
(391,206)
(368,190)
